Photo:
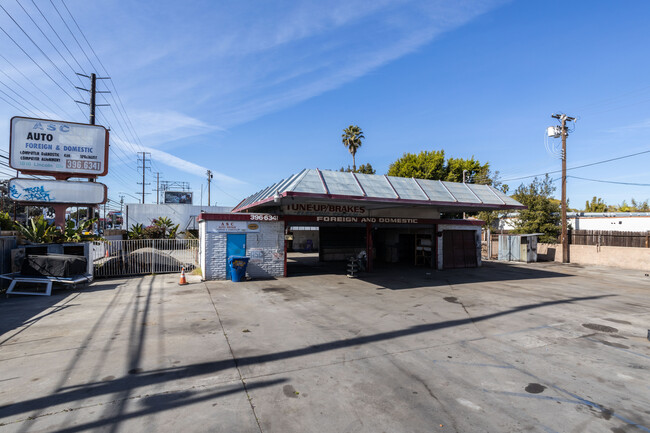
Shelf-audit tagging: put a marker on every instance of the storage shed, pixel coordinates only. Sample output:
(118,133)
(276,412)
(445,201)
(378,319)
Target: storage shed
(518,248)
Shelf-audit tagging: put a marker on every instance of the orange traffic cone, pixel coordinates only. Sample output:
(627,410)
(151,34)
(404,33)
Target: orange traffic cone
(183,281)
(107,255)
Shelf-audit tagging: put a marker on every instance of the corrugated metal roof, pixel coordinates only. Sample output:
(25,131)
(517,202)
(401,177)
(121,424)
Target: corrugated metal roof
(377,188)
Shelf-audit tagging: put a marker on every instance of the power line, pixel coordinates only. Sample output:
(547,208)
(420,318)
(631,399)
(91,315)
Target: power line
(129,129)
(22,97)
(73,36)
(579,166)
(47,38)
(59,37)
(24,109)
(26,91)
(610,181)
(38,65)
(38,47)
(36,87)
(127,120)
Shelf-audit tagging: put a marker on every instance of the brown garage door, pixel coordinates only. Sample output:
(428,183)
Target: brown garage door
(459,249)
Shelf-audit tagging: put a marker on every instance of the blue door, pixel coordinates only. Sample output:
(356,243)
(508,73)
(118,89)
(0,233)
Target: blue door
(235,246)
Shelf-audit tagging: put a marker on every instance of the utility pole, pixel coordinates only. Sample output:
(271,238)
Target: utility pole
(157,187)
(565,232)
(144,171)
(122,211)
(209,173)
(92,105)
(464,173)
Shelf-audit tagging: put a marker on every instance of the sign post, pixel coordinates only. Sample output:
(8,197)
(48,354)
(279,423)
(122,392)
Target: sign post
(62,150)
(59,149)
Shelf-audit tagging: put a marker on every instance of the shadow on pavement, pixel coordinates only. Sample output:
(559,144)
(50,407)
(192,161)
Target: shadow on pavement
(19,312)
(398,276)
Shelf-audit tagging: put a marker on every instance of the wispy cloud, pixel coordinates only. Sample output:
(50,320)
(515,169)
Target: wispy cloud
(638,126)
(251,64)
(336,53)
(166,126)
(188,166)
(170,160)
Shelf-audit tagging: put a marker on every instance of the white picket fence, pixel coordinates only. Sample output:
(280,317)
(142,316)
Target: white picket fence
(117,258)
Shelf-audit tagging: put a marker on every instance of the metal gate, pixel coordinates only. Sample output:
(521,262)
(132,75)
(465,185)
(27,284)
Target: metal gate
(144,256)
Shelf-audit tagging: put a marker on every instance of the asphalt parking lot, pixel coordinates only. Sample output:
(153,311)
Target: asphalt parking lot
(504,348)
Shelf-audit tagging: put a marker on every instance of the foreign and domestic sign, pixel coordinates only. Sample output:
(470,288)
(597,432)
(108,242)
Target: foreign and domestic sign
(178,197)
(56,191)
(42,146)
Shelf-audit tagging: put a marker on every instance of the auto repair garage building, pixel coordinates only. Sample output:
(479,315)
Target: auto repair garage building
(339,214)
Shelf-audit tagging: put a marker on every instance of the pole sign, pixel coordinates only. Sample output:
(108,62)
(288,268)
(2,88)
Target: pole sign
(40,146)
(56,191)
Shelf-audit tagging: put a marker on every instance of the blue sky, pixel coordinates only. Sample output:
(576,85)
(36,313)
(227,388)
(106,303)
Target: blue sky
(256,91)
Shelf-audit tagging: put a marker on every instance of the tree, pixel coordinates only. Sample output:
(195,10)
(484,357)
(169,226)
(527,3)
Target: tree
(424,165)
(634,206)
(475,171)
(432,165)
(352,136)
(363,168)
(366,169)
(542,215)
(640,206)
(596,205)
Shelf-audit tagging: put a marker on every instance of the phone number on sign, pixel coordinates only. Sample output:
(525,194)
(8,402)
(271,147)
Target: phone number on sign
(79,164)
(264,218)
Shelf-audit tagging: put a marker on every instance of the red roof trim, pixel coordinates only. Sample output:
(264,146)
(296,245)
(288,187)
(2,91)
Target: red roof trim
(420,221)
(203,216)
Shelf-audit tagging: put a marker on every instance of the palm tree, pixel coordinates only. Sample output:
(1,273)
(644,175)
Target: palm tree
(351,137)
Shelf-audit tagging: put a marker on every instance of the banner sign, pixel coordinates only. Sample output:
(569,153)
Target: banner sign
(236,227)
(56,191)
(323,209)
(178,197)
(47,146)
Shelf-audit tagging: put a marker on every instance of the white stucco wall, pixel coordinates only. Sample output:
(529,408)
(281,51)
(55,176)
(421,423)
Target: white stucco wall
(613,223)
(181,214)
(265,249)
(620,222)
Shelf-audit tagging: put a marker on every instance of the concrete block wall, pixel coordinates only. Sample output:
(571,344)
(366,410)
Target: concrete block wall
(265,249)
(617,257)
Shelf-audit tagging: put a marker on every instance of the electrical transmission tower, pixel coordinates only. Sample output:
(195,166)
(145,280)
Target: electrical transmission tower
(143,159)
